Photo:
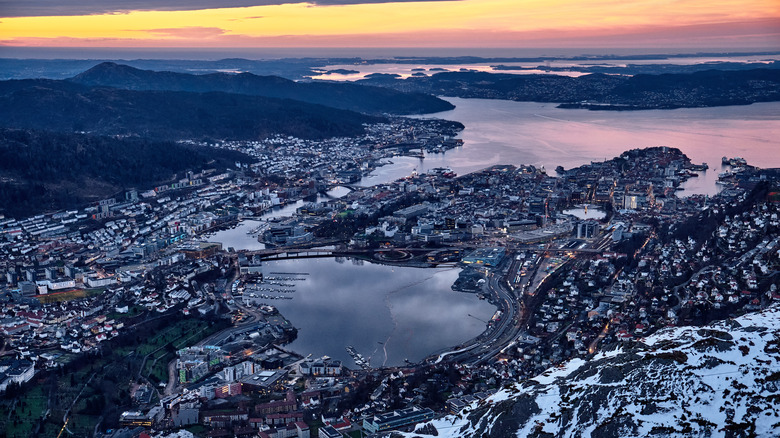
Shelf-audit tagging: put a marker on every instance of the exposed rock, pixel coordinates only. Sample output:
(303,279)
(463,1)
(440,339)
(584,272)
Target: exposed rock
(680,382)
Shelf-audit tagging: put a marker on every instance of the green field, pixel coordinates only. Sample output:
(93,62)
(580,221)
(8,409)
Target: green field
(167,343)
(20,418)
(98,385)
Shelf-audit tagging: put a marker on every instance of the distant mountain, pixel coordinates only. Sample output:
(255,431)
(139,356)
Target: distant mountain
(601,91)
(303,68)
(67,107)
(718,380)
(44,171)
(342,95)
(650,68)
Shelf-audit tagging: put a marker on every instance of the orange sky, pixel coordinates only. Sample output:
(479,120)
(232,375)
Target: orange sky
(464,23)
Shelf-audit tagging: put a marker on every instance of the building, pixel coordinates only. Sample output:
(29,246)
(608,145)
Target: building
(303,429)
(397,419)
(485,256)
(407,213)
(587,229)
(201,250)
(27,288)
(264,381)
(134,419)
(321,368)
(15,371)
(329,432)
(250,266)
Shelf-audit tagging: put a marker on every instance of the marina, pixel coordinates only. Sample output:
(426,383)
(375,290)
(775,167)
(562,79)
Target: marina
(357,358)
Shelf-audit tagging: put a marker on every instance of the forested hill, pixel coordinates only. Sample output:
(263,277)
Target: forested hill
(42,171)
(342,95)
(68,107)
(600,91)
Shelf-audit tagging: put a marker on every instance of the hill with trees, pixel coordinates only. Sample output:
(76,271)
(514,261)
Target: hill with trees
(68,107)
(600,91)
(43,171)
(341,95)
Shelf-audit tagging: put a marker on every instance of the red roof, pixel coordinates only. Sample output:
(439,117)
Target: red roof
(343,424)
(301,425)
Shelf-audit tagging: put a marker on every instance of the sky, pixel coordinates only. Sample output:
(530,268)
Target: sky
(684,24)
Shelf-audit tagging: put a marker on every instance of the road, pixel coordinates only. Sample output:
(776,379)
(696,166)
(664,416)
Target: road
(518,303)
(501,332)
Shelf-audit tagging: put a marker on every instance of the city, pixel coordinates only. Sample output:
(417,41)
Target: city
(595,256)
(389,219)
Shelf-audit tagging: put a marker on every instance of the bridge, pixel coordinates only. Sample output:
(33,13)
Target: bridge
(286,254)
(283,253)
(313,250)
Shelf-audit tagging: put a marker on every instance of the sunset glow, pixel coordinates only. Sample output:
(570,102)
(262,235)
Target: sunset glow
(467,23)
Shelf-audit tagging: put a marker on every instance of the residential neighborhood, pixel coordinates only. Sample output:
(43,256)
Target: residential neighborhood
(574,262)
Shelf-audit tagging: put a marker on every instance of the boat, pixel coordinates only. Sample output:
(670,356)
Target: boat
(736,161)
(446,172)
(357,357)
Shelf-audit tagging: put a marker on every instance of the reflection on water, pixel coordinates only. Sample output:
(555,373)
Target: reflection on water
(387,313)
(507,132)
(405,71)
(238,237)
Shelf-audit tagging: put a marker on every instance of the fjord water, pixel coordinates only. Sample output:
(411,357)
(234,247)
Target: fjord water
(507,132)
(387,313)
(412,312)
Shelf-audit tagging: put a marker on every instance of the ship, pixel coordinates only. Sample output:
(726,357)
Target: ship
(444,171)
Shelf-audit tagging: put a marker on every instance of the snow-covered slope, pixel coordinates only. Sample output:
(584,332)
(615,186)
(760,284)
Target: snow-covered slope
(722,380)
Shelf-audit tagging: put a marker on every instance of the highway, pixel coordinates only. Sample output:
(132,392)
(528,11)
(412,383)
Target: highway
(501,332)
(517,304)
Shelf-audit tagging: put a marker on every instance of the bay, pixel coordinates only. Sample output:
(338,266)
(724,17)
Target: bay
(388,314)
(508,132)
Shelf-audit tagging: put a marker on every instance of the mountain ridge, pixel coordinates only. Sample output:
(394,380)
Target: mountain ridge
(341,95)
(717,380)
(169,115)
(600,91)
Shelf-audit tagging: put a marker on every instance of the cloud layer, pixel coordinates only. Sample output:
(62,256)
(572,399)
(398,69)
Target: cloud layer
(379,23)
(40,8)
